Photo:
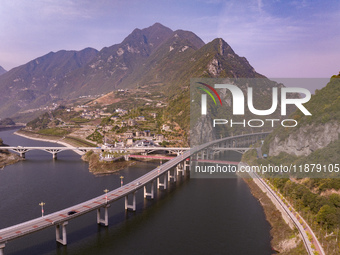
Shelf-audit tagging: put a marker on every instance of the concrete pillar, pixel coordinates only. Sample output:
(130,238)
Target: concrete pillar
(173,176)
(181,168)
(22,154)
(126,157)
(2,247)
(151,194)
(104,221)
(133,206)
(186,164)
(61,237)
(210,154)
(162,184)
(54,155)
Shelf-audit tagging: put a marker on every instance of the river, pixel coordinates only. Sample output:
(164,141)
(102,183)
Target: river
(194,216)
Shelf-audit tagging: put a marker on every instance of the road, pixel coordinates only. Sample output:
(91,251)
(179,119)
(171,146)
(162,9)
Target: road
(292,216)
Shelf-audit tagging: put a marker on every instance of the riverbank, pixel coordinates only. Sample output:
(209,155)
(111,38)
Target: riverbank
(3,128)
(65,141)
(285,240)
(8,158)
(98,167)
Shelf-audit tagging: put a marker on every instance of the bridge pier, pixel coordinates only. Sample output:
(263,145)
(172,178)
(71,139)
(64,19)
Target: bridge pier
(126,157)
(174,177)
(22,155)
(151,194)
(186,164)
(61,237)
(2,247)
(54,152)
(104,221)
(210,154)
(133,206)
(159,184)
(180,168)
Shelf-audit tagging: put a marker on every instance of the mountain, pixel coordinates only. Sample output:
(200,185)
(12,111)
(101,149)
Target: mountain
(155,58)
(324,125)
(29,86)
(214,60)
(113,64)
(2,70)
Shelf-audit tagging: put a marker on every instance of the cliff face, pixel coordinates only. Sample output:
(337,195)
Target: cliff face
(306,139)
(202,131)
(313,132)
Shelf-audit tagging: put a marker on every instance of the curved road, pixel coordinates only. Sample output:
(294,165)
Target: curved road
(291,215)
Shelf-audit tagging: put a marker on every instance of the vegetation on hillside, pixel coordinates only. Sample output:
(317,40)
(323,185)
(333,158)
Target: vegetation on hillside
(7,122)
(324,107)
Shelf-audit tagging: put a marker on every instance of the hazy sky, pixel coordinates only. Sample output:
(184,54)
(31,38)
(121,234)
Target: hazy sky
(280,38)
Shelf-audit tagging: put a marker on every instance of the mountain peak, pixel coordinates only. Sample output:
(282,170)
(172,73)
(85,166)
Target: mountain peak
(190,36)
(222,47)
(158,25)
(151,36)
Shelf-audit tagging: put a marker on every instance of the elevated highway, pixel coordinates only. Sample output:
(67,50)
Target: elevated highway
(159,176)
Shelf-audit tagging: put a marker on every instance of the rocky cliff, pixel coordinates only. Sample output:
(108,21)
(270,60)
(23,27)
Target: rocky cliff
(306,139)
(313,132)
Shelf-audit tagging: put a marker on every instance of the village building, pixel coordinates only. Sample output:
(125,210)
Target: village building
(129,134)
(131,122)
(166,127)
(129,141)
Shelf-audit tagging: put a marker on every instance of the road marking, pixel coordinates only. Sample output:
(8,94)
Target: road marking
(35,226)
(48,220)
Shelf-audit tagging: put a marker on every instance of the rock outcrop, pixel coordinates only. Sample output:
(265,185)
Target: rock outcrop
(306,139)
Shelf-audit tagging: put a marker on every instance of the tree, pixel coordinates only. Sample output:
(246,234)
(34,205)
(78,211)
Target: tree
(335,199)
(327,214)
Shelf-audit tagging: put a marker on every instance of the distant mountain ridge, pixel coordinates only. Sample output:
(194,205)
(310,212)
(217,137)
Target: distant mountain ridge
(113,64)
(29,85)
(154,56)
(2,70)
